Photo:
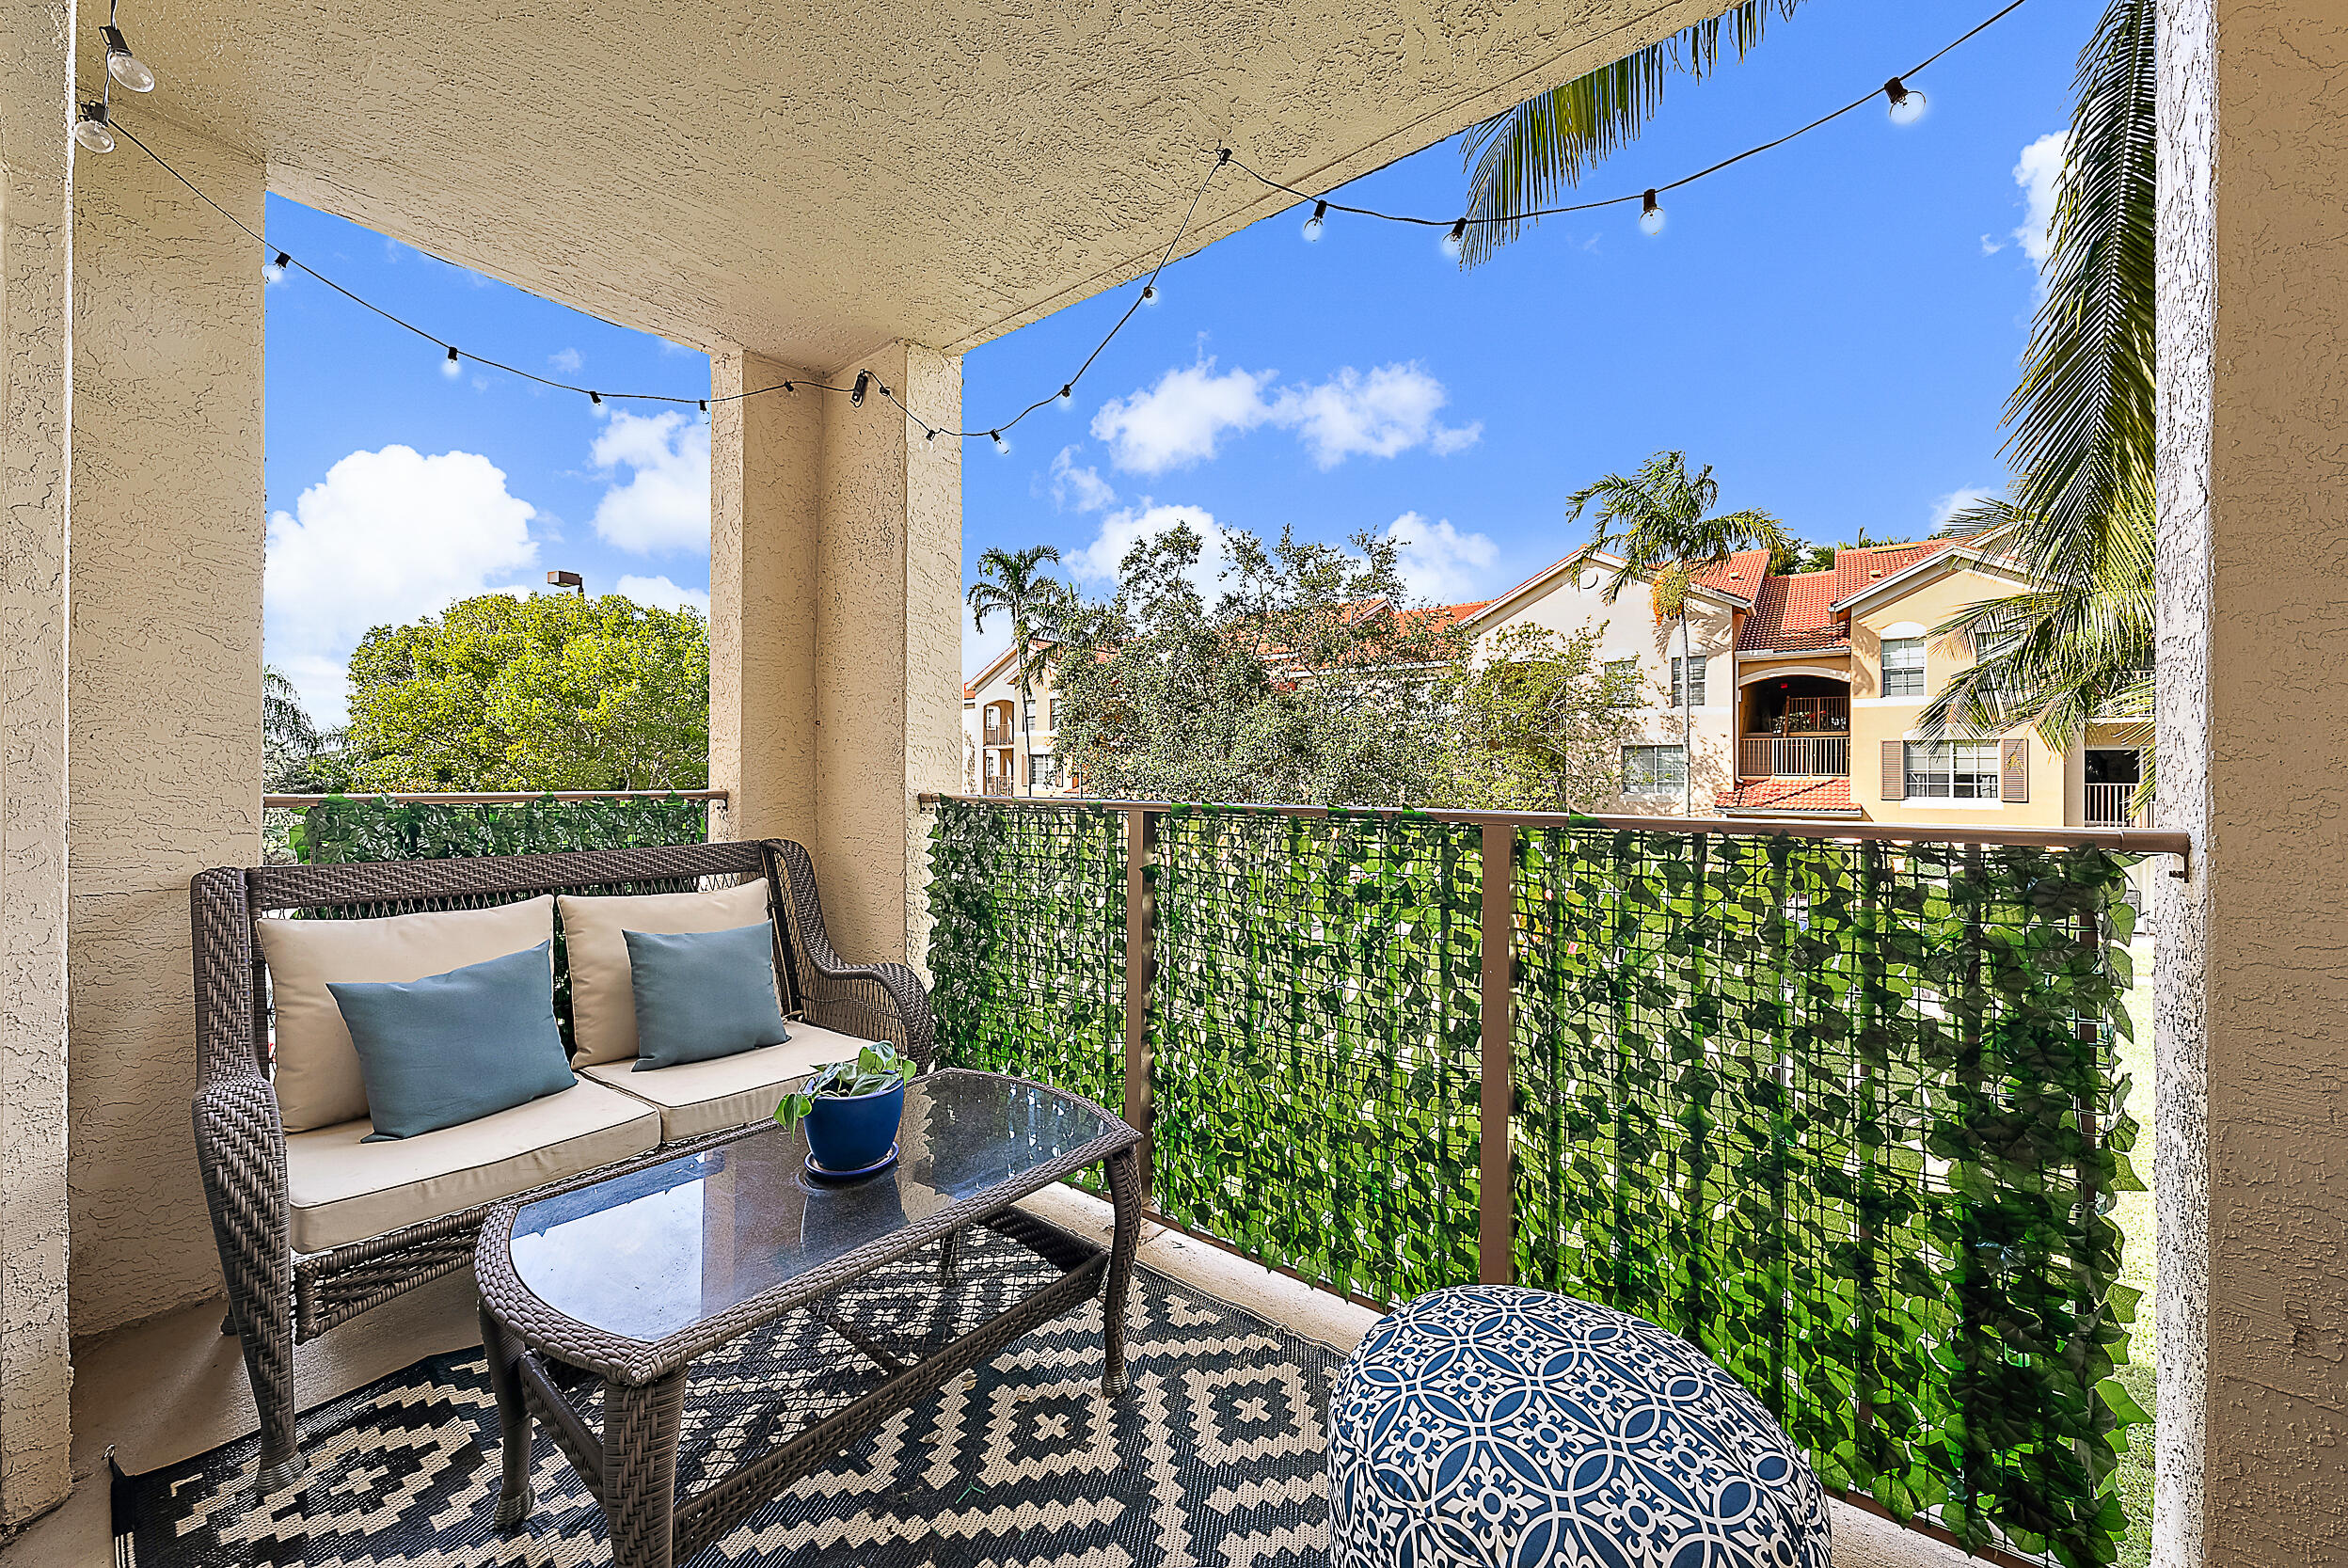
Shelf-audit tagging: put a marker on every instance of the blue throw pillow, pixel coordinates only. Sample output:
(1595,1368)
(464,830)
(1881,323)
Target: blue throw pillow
(703,995)
(453,1048)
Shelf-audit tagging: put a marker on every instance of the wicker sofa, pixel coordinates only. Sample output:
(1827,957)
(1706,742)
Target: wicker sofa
(293,1273)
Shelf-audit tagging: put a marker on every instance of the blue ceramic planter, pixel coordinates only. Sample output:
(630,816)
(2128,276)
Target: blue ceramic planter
(848,1133)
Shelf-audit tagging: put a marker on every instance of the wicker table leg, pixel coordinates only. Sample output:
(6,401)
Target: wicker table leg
(950,1260)
(1125,1194)
(514,1497)
(640,1428)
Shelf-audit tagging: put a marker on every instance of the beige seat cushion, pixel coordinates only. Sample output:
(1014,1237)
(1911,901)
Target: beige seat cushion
(345,1191)
(727,1091)
(318,1081)
(603,1003)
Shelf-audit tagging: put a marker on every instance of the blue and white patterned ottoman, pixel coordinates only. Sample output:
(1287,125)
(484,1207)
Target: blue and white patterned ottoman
(1496,1425)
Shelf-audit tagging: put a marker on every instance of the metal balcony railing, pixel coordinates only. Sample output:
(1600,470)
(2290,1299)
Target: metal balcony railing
(1778,756)
(2108,806)
(1813,716)
(998,734)
(1781,1088)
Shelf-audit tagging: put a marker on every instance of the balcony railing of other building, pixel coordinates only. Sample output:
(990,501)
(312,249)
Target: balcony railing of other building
(1770,756)
(998,785)
(340,829)
(1838,1102)
(2111,805)
(1812,716)
(997,734)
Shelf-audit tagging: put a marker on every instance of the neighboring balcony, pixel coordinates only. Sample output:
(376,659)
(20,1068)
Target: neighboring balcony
(997,733)
(2109,805)
(1770,757)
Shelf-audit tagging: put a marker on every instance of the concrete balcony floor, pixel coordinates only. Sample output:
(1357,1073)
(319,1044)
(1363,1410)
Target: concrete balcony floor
(174,1385)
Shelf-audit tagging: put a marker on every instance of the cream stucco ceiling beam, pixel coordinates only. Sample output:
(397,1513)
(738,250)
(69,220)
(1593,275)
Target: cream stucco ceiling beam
(807,181)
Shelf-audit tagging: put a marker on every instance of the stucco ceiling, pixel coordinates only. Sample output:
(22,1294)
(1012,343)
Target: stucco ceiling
(810,181)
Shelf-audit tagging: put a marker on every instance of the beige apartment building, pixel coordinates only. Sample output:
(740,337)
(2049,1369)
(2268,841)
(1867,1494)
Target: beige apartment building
(1804,696)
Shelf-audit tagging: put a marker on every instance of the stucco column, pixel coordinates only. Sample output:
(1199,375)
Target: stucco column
(766,460)
(164,682)
(2253,747)
(36,346)
(835,537)
(888,646)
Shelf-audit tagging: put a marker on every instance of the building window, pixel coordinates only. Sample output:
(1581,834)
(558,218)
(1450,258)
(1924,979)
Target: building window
(1952,770)
(1654,770)
(1903,667)
(1696,682)
(1051,714)
(1043,770)
(1626,672)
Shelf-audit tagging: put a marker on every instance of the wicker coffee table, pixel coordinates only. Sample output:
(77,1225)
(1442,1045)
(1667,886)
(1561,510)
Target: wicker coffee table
(848,1302)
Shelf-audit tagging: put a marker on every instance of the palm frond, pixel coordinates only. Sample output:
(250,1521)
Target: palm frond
(1522,158)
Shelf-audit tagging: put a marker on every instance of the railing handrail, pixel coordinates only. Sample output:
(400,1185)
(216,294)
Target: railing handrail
(2132,841)
(490,797)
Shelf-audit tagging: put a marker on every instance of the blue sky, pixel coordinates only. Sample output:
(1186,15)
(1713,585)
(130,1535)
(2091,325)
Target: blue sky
(1834,326)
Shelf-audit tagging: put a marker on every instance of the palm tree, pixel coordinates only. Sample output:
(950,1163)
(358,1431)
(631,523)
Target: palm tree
(1660,522)
(1012,581)
(1520,159)
(2082,419)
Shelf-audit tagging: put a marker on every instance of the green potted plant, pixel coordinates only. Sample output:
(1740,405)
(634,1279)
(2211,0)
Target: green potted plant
(851,1109)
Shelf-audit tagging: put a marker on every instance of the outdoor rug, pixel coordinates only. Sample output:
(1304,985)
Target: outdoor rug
(1215,1458)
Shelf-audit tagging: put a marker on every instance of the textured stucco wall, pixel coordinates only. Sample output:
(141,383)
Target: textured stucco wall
(164,683)
(36,279)
(766,463)
(2254,999)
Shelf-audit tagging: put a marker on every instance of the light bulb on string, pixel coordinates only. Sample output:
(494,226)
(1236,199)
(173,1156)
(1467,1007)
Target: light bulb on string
(450,367)
(129,72)
(92,131)
(1455,239)
(856,395)
(275,271)
(1149,294)
(1319,220)
(1650,214)
(1068,395)
(1907,103)
(1000,445)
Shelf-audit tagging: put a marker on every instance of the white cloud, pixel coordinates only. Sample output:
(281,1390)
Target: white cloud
(1991,245)
(1959,500)
(385,537)
(2041,164)
(664,502)
(1177,422)
(1098,561)
(566,360)
(661,593)
(1388,411)
(1439,562)
(1082,488)
(1181,420)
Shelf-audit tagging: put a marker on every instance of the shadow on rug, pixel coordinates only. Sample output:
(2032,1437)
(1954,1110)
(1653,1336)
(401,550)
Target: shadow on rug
(1216,1457)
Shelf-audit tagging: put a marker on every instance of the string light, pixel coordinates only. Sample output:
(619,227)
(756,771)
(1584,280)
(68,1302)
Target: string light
(94,130)
(448,367)
(123,66)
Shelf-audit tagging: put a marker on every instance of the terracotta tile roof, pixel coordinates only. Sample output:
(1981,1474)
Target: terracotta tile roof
(1744,574)
(1856,569)
(1790,796)
(1790,614)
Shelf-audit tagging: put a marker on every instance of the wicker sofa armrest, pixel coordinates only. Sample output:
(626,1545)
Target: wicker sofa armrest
(883,1001)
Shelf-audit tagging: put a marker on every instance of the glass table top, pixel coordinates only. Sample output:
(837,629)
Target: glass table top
(648,1254)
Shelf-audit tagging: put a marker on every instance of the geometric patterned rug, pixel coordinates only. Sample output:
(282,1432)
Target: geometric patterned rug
(1216,1459)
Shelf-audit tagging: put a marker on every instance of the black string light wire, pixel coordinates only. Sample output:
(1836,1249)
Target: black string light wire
(1905,102)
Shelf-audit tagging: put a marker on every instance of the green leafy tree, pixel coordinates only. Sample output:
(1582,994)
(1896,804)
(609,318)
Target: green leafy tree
(544,692)
(2079,646)
(1660,522)
(297,758)
(1309,680)
(1522,159)
(1538,725)
(1013,583)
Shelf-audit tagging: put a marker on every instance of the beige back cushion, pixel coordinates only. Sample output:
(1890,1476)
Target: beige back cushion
(603,1002)
(319,1081)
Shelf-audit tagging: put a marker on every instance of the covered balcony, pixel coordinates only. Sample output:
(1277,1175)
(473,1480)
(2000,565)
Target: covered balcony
(1794,726)
(1835,1107)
